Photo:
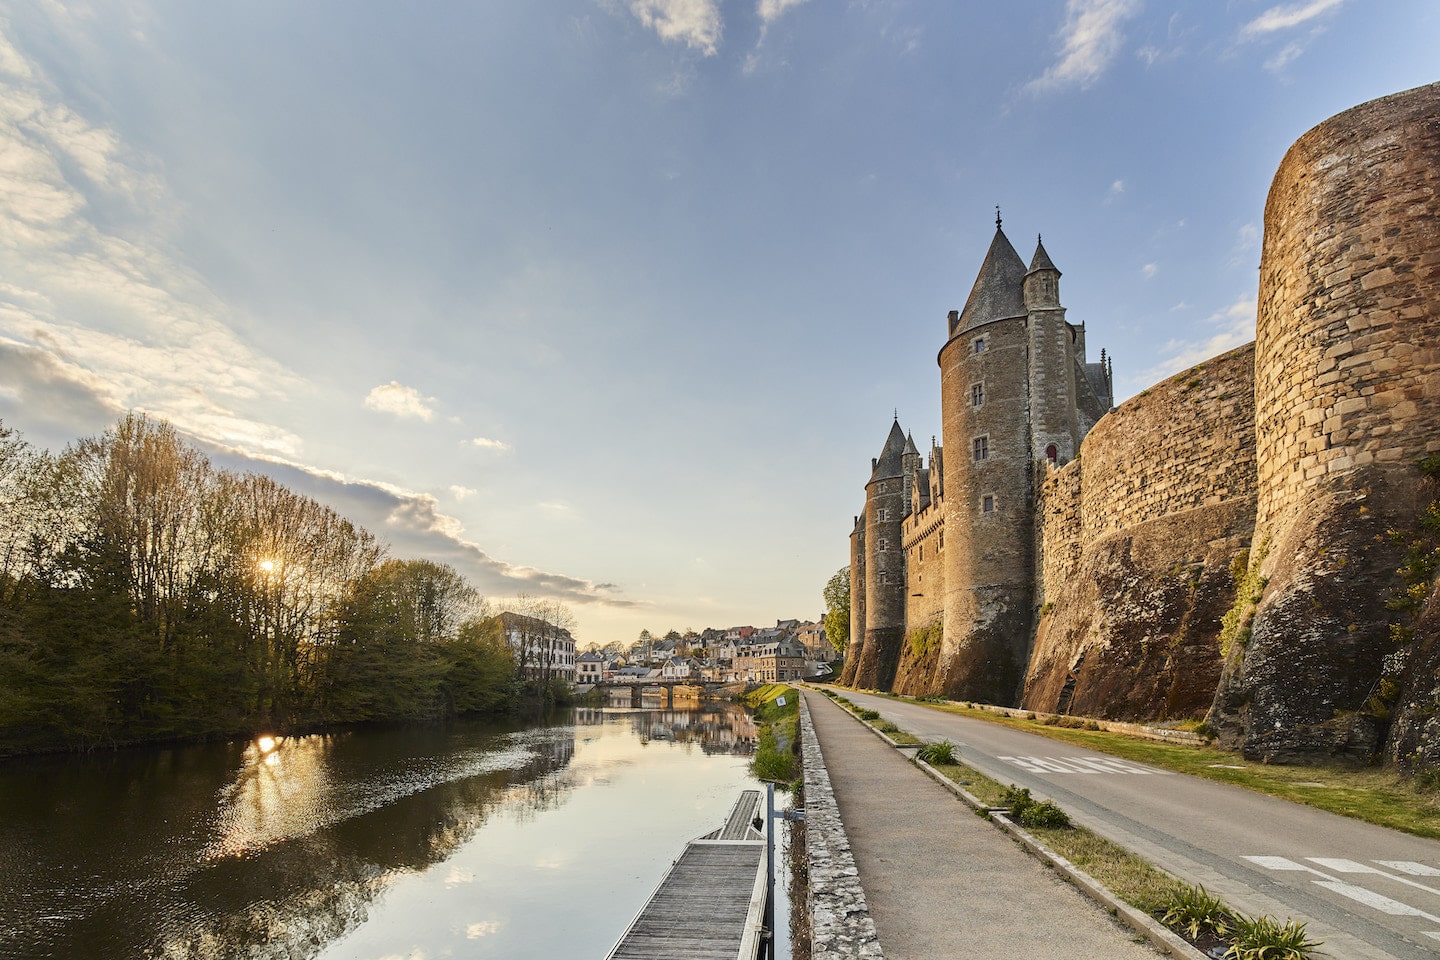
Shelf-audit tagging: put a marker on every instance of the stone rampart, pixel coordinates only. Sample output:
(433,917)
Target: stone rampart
(1136,540)
(1187,442)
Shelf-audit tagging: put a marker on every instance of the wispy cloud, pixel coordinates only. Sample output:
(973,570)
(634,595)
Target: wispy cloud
(1149,270)
(1116,191)
(695,23)
(1089,42)
(95,303)
(1246,248)
(485,443)
(768,11)
(462,493)
(1228,328)
(1286,16)
(401,401)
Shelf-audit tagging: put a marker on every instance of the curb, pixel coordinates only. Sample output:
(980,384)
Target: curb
(1163,938)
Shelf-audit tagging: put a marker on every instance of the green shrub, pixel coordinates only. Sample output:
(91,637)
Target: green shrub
(1044,815)
(1265,938)
(869,715)
(1029,812)
(1196,911)
(942,752)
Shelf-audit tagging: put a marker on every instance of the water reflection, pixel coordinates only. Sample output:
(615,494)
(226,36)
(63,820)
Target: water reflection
(320,844)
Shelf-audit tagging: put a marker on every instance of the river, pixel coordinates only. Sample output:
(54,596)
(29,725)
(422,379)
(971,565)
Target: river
(465,840)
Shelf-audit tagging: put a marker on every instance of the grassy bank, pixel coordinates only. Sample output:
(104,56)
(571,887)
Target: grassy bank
(777,714)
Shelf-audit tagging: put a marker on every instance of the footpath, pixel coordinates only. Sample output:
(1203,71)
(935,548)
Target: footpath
(940,882)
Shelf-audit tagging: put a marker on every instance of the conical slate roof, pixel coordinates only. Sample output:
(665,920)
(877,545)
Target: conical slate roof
(1041,260)
(999,290)
(910,444)
(890,463)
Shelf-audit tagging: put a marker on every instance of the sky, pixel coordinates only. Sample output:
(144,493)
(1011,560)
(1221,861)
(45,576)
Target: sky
(612,301)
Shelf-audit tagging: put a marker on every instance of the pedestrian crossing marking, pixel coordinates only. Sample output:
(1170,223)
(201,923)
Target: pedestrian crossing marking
(1410,867)
(1081,765)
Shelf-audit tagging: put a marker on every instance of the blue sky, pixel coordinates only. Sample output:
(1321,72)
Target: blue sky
(612,300)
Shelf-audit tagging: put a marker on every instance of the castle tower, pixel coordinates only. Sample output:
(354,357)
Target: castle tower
(857,602)
(886,498)
(988,520)
(1052,369)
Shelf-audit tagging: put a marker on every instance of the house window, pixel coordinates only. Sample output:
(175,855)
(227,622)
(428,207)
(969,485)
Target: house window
(977,394)
(979,344)
(987,504)
(982,448)
(1052,453)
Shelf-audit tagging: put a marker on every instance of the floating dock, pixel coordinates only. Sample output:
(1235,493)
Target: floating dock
(711,905)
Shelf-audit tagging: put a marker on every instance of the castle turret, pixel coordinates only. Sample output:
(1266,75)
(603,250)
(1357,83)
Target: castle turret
(886,498)
(984,387)
(1053,429)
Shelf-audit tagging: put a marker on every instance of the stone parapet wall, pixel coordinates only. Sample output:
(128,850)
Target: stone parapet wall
(840,924)
(1186,442)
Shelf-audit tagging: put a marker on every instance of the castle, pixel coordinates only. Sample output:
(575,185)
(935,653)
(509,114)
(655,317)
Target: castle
(1017,397)
(1252,542)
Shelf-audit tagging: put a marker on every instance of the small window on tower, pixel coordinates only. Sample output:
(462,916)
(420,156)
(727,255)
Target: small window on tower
(987,504)
(884,577)
(977,394)
(979,344)
(982,448)
(1052,453)
(883,546)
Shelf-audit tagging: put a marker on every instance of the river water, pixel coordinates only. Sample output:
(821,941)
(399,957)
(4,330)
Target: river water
(468,840)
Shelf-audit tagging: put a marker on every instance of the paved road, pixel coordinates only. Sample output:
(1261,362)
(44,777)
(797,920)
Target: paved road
(941,882)
(1368,892)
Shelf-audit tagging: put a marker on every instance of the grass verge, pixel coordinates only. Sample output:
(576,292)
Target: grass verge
(777,752)
(1373,795)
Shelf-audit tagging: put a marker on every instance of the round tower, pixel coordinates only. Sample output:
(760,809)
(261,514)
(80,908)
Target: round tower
(984,388)
(1051,369)
(1347,406)
(885,502)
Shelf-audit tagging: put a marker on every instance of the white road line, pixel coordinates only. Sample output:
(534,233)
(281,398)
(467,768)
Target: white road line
(1372,899)
(1432,933)
(1410,867)
(1079,765)
(1280,863)
(1350,866)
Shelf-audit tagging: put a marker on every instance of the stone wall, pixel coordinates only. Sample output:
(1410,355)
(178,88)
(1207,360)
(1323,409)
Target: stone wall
(1187,442)
(1137,539)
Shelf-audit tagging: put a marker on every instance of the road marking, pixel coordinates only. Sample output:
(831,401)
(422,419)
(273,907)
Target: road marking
(1080,765)
(1410,867)
(1350,866)
(1357,893)
(1372,899)
(1433,933)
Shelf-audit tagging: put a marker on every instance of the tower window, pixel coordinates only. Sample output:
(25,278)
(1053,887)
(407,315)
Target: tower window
(982,448)
(884,577)
(987,504)
(884,515)
(883,546)
(1052,453)
(979,344)
(977,394)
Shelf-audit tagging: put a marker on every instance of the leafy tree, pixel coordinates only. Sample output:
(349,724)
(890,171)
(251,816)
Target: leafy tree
(837,611)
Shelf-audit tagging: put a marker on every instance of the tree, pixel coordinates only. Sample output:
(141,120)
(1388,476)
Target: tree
(837,611)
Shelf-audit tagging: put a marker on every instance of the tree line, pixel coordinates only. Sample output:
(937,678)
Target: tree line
(146,594)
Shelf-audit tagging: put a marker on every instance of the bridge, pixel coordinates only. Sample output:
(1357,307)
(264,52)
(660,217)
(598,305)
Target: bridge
(638,685)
